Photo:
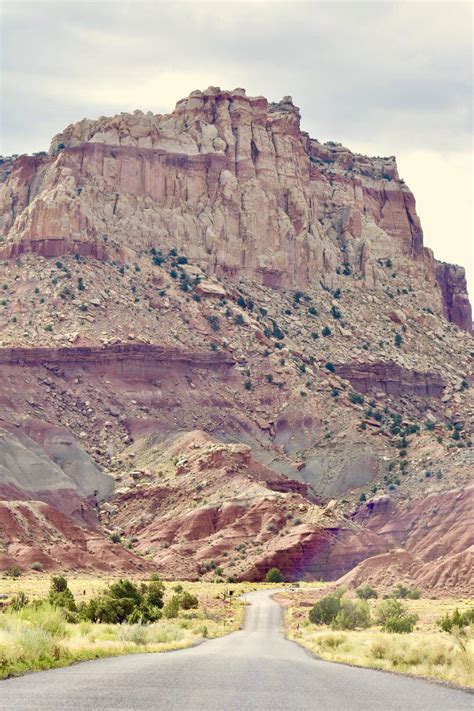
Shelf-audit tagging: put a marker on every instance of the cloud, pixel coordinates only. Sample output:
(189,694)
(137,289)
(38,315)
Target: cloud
(392,76)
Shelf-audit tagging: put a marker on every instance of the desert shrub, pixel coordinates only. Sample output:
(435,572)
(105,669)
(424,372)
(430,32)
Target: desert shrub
(332,641)
(135,633)
(171,609)
(42,614)
(214,322)
(403,624)
(401,592)
(356,398)
(123,601)
(154,593)
(456,619)
(59,594)
(365,592)
(389,608)
(274,576)
(277,332)
(13,572)
(394,618)
(331,367)
(326,331)
(19,601)
(378,649)
(187,601)
(352,614)
(324,611)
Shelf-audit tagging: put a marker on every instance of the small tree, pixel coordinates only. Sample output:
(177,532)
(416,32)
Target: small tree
(274,576)
(325,610)
(59,594)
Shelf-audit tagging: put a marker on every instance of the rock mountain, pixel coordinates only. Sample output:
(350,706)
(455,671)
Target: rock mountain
(224,343)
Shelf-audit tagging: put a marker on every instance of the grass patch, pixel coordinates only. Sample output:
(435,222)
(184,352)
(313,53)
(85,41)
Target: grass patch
(426,652)
(39,637)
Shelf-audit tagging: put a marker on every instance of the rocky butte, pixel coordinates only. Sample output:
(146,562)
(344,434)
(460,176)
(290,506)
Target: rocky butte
(223,344)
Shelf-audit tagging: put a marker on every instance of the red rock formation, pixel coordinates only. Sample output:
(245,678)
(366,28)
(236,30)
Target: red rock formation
(34,531)
(231,178)
(391,379)
(456,306)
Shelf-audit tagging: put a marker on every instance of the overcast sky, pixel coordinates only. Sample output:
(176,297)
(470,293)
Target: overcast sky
(382,78)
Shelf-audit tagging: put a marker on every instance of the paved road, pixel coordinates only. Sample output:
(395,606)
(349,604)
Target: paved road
(254,669)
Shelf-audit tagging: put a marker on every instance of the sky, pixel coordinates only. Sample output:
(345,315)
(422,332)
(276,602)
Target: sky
(383,78)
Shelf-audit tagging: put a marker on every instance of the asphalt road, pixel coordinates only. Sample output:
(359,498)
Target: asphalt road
(254,669)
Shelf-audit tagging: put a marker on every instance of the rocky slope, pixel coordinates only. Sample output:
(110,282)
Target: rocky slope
(217,287)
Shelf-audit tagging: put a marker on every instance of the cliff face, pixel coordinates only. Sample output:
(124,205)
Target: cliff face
(224,341)
(456,305)
(235,182)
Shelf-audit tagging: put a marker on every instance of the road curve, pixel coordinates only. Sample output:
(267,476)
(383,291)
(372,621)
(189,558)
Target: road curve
(254,669)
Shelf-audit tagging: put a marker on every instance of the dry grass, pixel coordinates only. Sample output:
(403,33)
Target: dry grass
(41,639)
(426,652)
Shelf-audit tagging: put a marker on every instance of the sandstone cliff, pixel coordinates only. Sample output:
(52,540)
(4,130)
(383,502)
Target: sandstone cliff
(232,181)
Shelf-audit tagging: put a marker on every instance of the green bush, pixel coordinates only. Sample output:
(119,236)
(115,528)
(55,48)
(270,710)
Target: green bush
(187,601)
(124,601)
(389,608)
(365,592)
(394,618)
(401,592)
(171,609)
(274,576)
(19,601)
(356,398)
(456,619)
(324,611)
(403,624)
(352,614)
(154,594)
(59,594)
